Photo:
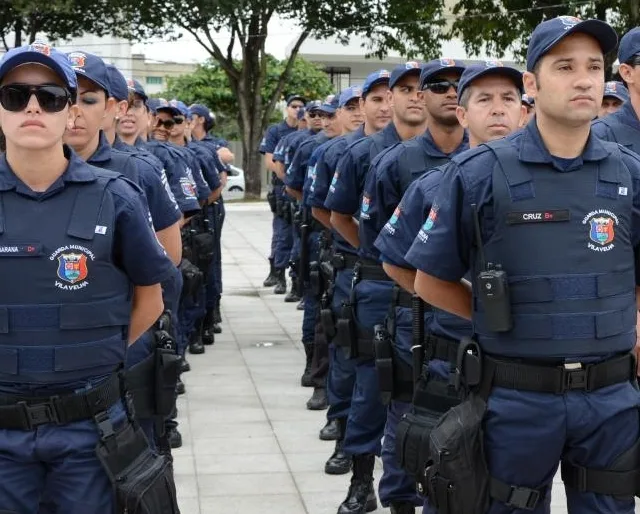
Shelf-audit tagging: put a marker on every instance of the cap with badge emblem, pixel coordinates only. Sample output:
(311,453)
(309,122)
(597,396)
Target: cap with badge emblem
(617,90)
(402,70)
(489,67)
(348,94)
(436,66)
(373,79)
(330,104)
(117,83)
(91,67)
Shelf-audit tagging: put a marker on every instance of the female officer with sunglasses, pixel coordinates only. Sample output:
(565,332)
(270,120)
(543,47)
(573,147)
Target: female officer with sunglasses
(75,292)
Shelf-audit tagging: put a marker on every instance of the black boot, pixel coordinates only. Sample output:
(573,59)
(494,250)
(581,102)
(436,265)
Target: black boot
(217,318)
(361,497)
(292,295)
(195,343)
(175,438)
(300,306)
(339,463)
(318,400)
(305,380)
(270,281)
(281,282)
(208,332)
(184,365)
(331,431)
(180,389)
(402,508)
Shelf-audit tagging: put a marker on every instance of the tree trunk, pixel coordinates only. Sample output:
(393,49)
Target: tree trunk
(18,33)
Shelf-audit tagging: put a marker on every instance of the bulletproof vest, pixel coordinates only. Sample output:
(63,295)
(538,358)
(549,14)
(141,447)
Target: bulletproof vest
(120,162)
(624,134)
(64,305)
(415,162)
(564,241)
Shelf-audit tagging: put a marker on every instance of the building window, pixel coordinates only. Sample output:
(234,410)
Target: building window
(156,81)
(340,76)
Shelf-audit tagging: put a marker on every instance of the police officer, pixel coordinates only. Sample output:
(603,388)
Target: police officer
(489,108)
(557,328)
(119,91)
(367,416)
(374,103)
(268,145)
(530,105)
(66,382)
(615,94)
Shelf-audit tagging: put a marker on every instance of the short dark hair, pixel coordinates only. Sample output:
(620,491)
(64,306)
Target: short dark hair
(463,100)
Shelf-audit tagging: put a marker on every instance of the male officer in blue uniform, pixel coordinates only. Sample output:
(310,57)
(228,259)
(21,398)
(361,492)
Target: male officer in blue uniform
(81,252)
(623,126)
(370,293)
(489,108)
(390,175)
(530,105)
(374,104)
(615,94)
(557,328)
(268,145)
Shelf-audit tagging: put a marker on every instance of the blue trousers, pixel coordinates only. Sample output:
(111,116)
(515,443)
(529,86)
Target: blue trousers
(274,237)
(367,417)
(214,277)
(311,303)
(342,371)
(58,466)
(171,291)
(191,311)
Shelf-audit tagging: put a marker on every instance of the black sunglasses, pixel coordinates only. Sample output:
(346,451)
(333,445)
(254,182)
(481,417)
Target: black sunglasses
(178,119)
(441,86)
(168,124)
(52,98)
(314,114)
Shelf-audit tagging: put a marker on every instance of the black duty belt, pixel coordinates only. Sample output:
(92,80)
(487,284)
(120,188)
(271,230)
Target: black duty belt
(371,270)
(342,260)
(440,348)
(27,413)
(558,379)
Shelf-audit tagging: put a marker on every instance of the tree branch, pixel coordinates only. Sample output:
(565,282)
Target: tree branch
(231,43)
(214,50)
(283,77)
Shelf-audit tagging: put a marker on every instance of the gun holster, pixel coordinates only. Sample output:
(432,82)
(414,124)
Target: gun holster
(192,279)
(315,278)
(167,371)
(383,353)
(271,198)
(328,322)
(346,331)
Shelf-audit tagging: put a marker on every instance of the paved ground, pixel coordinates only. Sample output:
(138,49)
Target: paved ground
(250,446)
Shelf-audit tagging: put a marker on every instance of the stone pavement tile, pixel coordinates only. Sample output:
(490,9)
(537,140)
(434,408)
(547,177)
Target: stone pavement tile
(220,389)
(314,482)
(236,446)
(233,464)
(246,484)
(189,505)
(187,486)
(227,414)
(184,465)
(327,503)
(260,504)
(304,443)
(300,427)
(200,378)
(225,428)
(231,402)
(302,414)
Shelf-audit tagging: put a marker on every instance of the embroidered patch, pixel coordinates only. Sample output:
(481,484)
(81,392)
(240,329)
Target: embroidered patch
(601,224)
(73,266)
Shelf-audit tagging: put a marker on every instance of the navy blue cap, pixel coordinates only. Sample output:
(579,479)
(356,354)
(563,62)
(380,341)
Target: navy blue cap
(91,67)
(291,98)
(489,67)
(137,88)
(181,106)
(301,113)
(617,90)
(549,33)
(40,53)
(436,66)
(411,67)
(528,100)
(164,105)
(373,79)
(153,104)
(330,104)
(117,83)
(202,111)
(629,45)
(348,94)
(313,105)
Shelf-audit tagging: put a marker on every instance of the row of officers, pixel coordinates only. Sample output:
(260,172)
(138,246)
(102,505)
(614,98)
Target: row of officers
(110,222)
(465,240)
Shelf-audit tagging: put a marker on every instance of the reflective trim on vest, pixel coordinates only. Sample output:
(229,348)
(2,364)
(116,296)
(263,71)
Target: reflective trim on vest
(64,313)
(572,281)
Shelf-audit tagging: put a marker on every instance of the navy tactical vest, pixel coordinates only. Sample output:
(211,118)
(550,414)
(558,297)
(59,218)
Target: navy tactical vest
(64,305)
(624,134)
(415,162)
(564,240)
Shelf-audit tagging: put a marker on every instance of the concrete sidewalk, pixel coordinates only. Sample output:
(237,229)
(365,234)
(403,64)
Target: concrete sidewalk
(250,445)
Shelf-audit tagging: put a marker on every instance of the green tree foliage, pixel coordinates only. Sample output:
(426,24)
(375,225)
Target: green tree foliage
(210,85)
(507,25)
(407,27)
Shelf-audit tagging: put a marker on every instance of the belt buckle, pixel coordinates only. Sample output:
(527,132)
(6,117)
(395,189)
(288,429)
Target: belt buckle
(575,377)
(39,414)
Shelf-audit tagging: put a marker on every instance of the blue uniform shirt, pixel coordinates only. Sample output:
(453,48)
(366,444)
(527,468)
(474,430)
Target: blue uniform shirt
(193,169)
(384,185)
(317,158)
(163,208)
(209,164)
(624,118)
(297,170)
(347,184)
(273,134)
(133,234)
(444,244)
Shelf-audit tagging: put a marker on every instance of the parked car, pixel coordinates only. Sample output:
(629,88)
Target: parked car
(235,183)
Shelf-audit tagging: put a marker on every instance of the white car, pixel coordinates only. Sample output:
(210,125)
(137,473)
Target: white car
(235,183)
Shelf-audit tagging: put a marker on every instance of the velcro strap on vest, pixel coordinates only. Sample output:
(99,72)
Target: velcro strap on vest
(560,379)
(87,207)
(27,413)
(523,498)
(600,481)
(109,313)
(372,271)
(440,348)
(567,326)
(577,287)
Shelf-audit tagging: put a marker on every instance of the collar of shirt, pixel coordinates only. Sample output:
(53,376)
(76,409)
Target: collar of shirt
(432,150)
(77,171)
(390,134)
(103,152)
(532,148)
(139,143)
(627,115)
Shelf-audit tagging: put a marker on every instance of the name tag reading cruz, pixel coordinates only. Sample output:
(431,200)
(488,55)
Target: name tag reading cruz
(517,218)
(20,250)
